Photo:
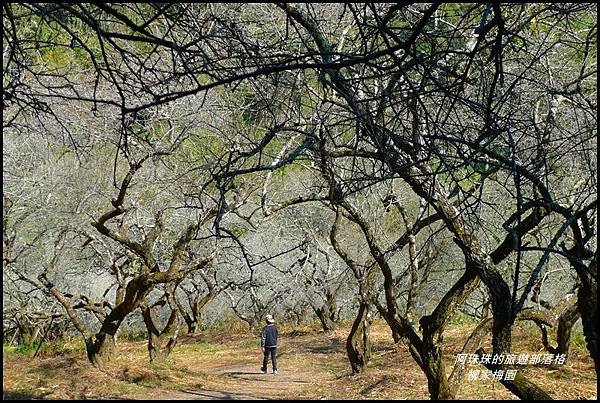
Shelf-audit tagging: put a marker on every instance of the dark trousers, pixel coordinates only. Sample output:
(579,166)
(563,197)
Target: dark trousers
(273,352)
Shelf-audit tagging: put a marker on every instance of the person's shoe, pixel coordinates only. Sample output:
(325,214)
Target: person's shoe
(264,371)
(274,372)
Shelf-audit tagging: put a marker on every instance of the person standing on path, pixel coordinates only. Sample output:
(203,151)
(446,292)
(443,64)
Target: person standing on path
(268,344)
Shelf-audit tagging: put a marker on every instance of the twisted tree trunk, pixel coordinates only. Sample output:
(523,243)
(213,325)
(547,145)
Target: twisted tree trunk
(194,321)
(327,323)
(358,345)
(100,347)
(160,343)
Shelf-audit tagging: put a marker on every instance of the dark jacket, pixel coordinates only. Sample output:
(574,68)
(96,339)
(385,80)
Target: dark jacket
(268,336)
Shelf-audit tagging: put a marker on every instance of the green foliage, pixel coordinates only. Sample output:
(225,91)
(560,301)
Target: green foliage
(238,230)
(59,346)
(461,318)
(138,335)
(201,146)
(578,342)
(287,171)
(54,46)
(20,349)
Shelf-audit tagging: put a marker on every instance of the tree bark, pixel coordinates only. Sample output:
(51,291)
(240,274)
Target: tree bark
(520,386)
(565,324)
(358,345)
(101,346)
(161,342)
(327,324)
(198,305)
(587,302)
(433,328)
(471,345)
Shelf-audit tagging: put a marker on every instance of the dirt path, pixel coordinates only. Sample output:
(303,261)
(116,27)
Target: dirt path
(245,382)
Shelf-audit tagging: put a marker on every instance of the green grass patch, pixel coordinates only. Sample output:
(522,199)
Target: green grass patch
(202,347)
(462,319)
(20,349)
(60,346)
(253,343)
(578,342)
(135,335)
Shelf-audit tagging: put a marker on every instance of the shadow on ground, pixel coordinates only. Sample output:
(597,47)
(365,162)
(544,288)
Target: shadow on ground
(326,349)
(220,395)
(234,373)
(22,396)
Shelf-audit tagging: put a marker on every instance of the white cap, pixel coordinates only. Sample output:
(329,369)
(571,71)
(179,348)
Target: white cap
(269,318)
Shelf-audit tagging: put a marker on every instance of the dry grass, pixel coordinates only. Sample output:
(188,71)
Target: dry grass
(313,365)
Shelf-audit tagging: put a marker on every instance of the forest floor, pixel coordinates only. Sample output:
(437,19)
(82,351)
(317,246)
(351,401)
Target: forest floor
(223,364)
